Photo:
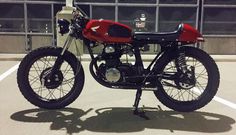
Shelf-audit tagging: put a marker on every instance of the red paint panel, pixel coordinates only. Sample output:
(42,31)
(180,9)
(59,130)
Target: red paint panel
(189,34)
(97,30)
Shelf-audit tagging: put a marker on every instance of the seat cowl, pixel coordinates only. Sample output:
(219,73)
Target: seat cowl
(158,37)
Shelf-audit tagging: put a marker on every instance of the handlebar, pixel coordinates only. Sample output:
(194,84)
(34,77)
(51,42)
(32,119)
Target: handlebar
(80,11)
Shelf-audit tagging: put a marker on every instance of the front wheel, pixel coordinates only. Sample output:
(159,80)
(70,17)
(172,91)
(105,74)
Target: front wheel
(184,95)
(63,87)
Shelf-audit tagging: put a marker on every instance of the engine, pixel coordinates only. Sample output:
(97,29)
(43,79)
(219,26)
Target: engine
(113,70)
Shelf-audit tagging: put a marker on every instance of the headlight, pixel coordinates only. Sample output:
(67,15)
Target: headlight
(63,25)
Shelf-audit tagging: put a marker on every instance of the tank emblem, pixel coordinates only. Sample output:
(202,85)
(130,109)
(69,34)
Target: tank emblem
(95,28)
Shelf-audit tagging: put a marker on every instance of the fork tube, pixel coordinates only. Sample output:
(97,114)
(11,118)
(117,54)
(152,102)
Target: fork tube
(67,44)
(60,59)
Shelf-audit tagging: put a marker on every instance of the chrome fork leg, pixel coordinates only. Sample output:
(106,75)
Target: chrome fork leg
(66,44)
(60,59)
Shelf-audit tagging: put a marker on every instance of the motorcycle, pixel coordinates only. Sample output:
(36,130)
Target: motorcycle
(182,76)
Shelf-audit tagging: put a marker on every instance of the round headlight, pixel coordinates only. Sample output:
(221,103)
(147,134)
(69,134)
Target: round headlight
(63,25)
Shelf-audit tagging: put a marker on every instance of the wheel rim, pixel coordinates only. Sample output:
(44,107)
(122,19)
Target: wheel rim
(39,88)
(193,93)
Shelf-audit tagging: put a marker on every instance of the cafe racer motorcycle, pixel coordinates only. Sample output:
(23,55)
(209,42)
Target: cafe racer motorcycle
(182,76)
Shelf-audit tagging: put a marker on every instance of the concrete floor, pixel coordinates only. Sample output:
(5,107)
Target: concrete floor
(100,110)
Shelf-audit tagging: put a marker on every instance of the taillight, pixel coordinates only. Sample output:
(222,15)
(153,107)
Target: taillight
(200,39)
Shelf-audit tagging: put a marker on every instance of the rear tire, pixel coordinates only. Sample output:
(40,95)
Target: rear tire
(33,66)
(184,103)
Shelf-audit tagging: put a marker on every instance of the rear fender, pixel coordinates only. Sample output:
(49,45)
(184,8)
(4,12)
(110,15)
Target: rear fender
(190,35)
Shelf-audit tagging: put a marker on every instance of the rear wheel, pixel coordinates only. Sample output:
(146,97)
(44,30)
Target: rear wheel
(58,91)
(183,95)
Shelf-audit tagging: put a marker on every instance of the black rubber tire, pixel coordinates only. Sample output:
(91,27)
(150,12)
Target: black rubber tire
(28,92)
(211,87)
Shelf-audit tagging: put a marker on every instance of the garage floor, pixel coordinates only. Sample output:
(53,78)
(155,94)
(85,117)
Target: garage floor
(100,110)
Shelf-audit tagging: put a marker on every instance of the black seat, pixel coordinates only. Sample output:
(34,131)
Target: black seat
(155,37)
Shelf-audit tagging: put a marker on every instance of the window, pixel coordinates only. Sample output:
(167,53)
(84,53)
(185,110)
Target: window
(170,17)
(11,0)
(48,0)
(85,9)
(178,1)
(225,2)
(12,18)
(39,18)
(137,1)
(12,44)
(132,16)
(97,1)
(103,12)
(219,21)
(57,8)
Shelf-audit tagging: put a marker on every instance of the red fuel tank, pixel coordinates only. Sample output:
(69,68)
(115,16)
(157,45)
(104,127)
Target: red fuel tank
(106,31)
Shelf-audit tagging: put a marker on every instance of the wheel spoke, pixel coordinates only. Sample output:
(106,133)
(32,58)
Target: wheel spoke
(46,62)
(200,86)
(36,78)
(177,94)
(69,85)
(62,91)
(170,89)
(33,81)
(194,95)
(40,90)
(202,75)
(66,70)
(37,70)
(45,65)
(52,94)
(169,67)
(182,94)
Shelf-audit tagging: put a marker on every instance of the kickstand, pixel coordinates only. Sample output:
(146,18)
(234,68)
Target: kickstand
(136,103)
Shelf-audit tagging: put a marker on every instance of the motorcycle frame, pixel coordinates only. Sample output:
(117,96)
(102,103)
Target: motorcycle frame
(191,36)
(174,46)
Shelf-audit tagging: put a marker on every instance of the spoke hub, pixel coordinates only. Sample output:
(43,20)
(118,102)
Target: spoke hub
(186,80)
(51,81)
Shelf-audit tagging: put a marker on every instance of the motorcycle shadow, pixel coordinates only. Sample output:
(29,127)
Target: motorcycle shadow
(120,120)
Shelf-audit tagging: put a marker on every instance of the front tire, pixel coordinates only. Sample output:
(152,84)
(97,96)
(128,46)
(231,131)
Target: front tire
(66,87)
(189,99)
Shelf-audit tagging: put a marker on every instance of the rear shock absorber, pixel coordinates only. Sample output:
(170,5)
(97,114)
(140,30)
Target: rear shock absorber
(181,61)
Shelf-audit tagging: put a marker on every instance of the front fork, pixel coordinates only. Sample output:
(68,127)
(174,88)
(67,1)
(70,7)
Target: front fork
(60,60)
(67,44)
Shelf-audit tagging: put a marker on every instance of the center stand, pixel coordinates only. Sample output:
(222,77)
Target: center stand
(136,103)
